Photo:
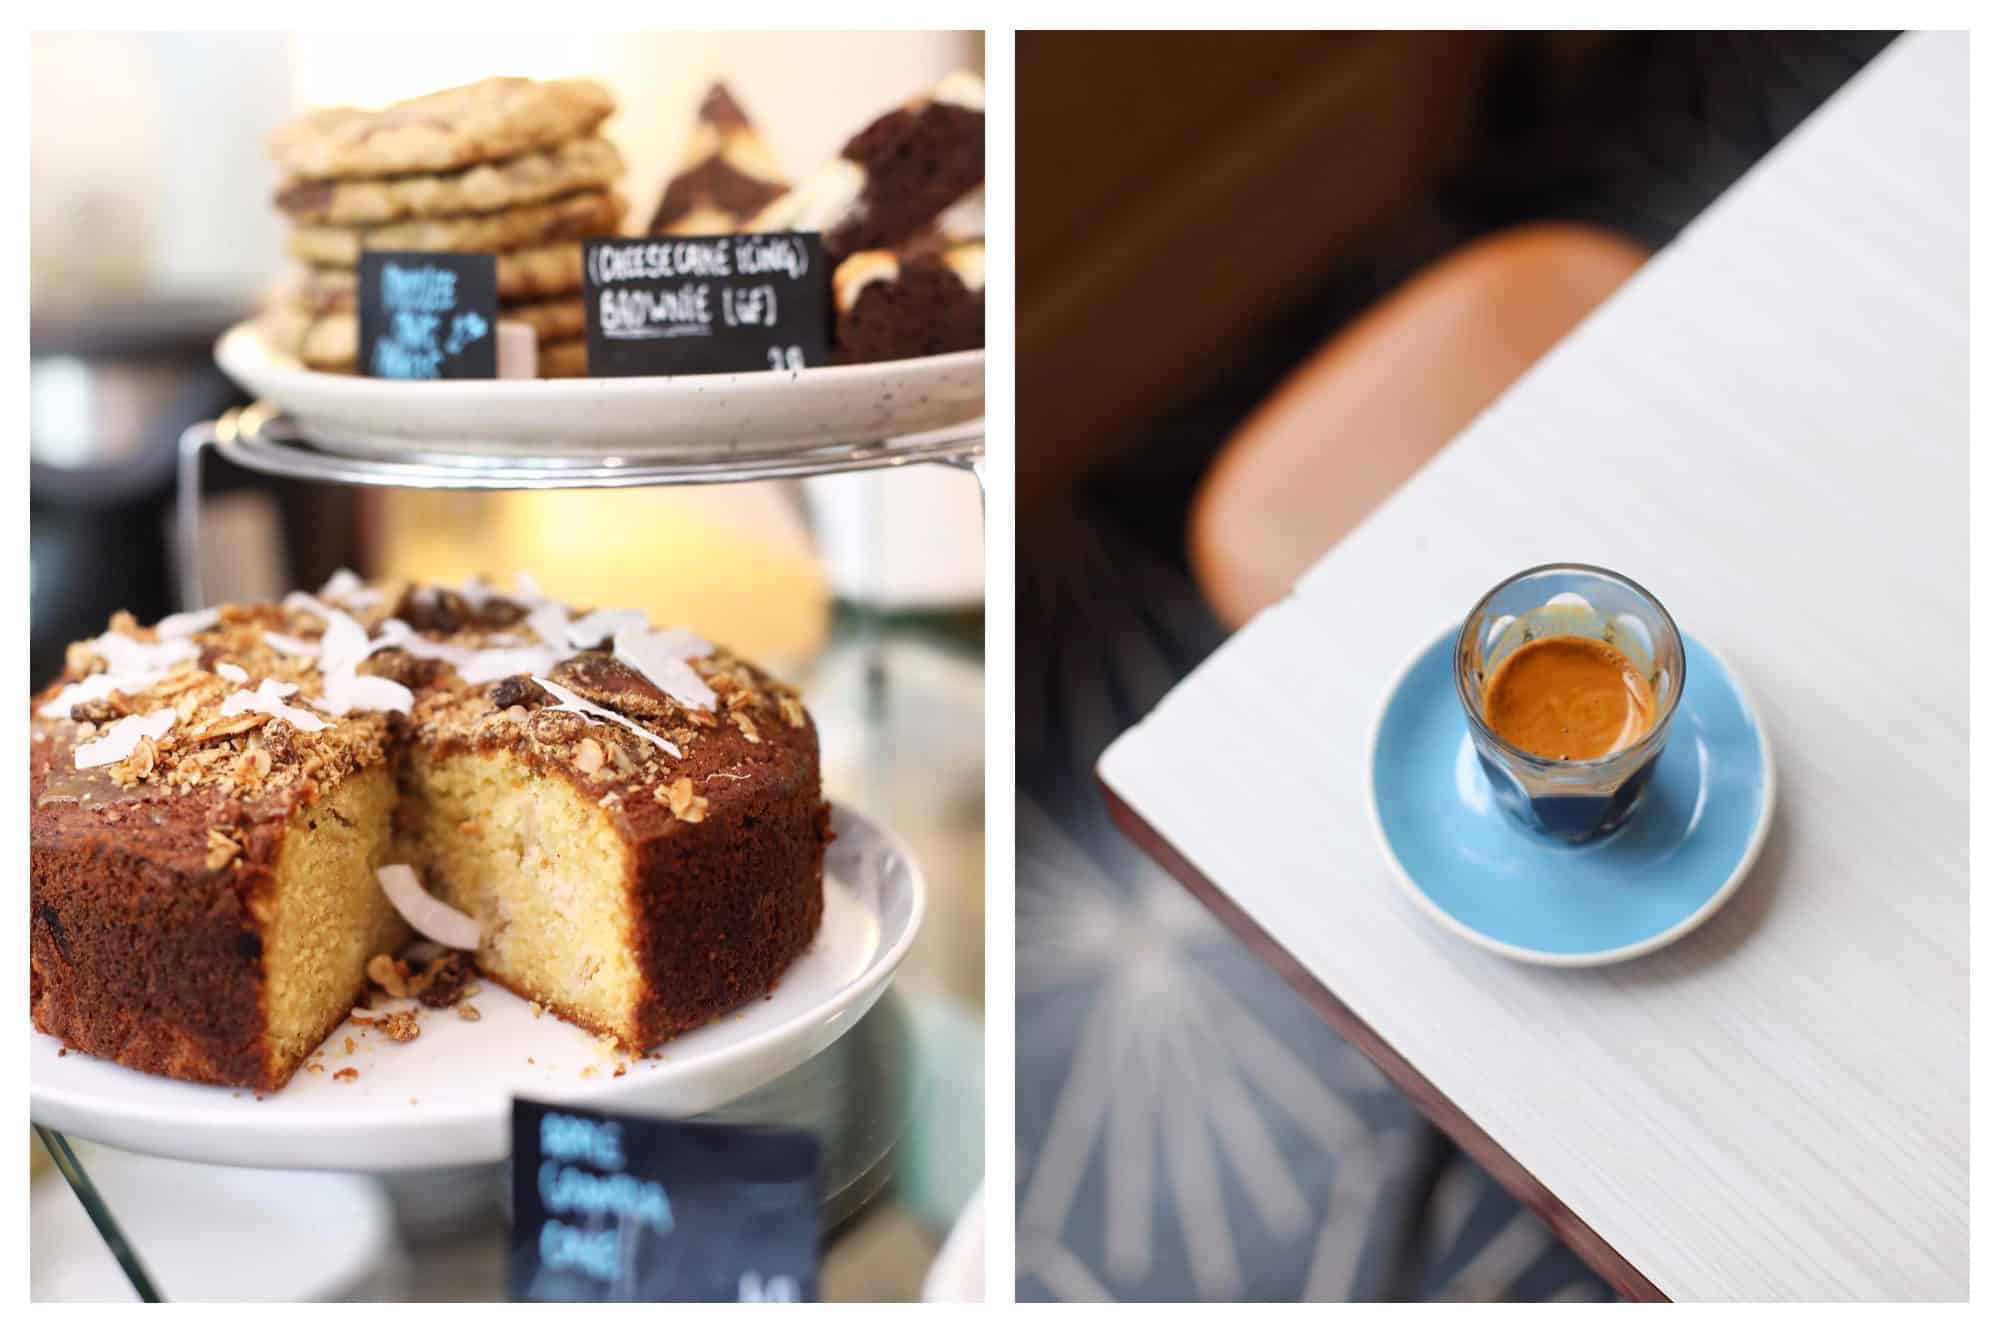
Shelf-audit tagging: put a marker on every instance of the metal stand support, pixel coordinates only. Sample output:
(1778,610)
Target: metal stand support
(258,438)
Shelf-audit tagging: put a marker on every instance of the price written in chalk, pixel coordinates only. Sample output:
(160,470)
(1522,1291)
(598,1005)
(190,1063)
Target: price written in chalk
(706,304)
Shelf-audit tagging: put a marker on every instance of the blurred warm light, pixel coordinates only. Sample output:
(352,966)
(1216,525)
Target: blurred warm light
(733,562)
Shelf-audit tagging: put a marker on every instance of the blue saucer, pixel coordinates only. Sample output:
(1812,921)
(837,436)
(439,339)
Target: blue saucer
(1688,844)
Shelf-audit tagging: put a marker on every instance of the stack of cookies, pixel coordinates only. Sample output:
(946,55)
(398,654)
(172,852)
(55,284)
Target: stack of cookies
(512,166)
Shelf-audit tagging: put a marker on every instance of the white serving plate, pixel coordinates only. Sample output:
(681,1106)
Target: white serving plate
(442,1100)
(677,416)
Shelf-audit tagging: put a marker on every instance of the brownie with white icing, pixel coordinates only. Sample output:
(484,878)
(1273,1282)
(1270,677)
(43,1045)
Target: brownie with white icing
(895,178)
(924,299)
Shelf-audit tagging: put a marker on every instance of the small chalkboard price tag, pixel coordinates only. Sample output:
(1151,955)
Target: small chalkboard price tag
(631,1208)
(428,316)
(703,305)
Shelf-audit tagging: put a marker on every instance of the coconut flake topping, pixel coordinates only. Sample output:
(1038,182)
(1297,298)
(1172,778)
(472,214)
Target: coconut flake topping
(122,737)
(269,700)
(569,702)
(662,657)
(130,666)
(430,917)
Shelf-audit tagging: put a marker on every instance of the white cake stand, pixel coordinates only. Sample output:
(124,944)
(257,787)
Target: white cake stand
(442,1101)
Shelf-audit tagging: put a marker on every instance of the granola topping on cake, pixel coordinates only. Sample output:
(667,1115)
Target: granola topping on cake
(261,701)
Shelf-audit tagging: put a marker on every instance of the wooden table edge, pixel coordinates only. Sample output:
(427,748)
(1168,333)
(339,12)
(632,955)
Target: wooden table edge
(1595,1251)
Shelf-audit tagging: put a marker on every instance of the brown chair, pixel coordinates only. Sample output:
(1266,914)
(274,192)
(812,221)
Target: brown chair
(1382,396)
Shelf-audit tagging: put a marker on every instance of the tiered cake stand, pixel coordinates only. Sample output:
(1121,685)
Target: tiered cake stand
(447,1110)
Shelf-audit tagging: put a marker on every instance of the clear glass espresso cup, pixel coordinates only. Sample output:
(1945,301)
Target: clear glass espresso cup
(1570,799)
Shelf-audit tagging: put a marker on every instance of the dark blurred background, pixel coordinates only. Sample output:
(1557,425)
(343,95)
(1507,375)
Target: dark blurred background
(1201,215)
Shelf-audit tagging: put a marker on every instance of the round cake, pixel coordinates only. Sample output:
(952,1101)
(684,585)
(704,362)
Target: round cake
(631,817)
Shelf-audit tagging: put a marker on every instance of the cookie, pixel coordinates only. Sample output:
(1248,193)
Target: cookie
(726,174)
(563,360)
(557,320)
(546,173)
(591,213)
(478,122)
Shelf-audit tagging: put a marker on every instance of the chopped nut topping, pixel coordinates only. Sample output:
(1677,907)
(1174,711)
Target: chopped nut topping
(400,1026)
(678,796)
(222,848)
(468,1013)
(391,974)
(257,755)
(251,767)
(108,709)
(229,726)
(553,727)
(442,982)
(347,1075)
(145,755)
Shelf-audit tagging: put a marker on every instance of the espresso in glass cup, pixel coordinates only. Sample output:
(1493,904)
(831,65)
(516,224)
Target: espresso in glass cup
(1569,676)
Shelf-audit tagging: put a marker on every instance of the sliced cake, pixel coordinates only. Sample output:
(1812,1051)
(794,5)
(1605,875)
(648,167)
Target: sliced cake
(628,820)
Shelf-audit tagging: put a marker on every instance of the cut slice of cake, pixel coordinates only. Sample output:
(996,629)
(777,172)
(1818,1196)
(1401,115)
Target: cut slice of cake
(727,173)
(631,816)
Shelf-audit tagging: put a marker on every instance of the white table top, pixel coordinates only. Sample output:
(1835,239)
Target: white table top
(1769,427)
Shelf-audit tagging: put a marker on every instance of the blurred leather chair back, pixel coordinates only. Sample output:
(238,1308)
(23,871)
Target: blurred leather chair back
(1382,396)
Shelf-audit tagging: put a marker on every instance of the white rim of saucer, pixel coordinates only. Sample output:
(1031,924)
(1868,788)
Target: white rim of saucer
(1543,958)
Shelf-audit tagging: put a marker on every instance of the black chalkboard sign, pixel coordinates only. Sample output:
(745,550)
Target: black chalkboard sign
(630,1208)
(700,305)
(428,316)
